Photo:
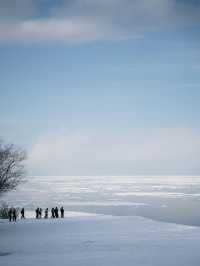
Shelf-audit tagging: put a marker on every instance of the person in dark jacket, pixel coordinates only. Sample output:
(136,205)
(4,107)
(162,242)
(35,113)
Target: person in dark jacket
(40,212)
(10,212)
(62,212)
(37,213)
(52,213)
(56,212)
(14,214)
(46,213)
(22,213)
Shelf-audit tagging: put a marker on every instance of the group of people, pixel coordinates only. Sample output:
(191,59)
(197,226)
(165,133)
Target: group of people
(54,213)
(13,213)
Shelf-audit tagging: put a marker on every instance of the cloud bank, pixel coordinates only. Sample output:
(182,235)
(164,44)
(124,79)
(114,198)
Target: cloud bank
(158,151)
(72,21)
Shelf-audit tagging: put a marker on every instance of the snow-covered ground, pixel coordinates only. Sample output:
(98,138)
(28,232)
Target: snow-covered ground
(98,241)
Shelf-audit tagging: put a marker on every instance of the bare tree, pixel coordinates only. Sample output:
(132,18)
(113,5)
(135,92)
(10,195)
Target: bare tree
(11,166)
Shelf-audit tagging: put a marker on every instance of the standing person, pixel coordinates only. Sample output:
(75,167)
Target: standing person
(37,213)
(46,213)
(10,212)
(62,212)
(40,212)
(14,215)
(52,213)
(56,212)
(22,213)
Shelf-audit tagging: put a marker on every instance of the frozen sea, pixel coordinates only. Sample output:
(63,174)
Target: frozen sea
(165,198)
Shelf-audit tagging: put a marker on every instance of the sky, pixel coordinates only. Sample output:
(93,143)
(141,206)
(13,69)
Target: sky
(102,87)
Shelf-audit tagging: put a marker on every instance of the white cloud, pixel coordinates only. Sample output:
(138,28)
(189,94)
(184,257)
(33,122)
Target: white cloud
(90,20)
(175,150)
(67,30)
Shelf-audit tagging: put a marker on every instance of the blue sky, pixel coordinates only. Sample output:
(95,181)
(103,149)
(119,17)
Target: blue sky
(102,87)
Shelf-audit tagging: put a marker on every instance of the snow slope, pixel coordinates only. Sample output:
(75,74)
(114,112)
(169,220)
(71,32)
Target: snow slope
(98,241)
